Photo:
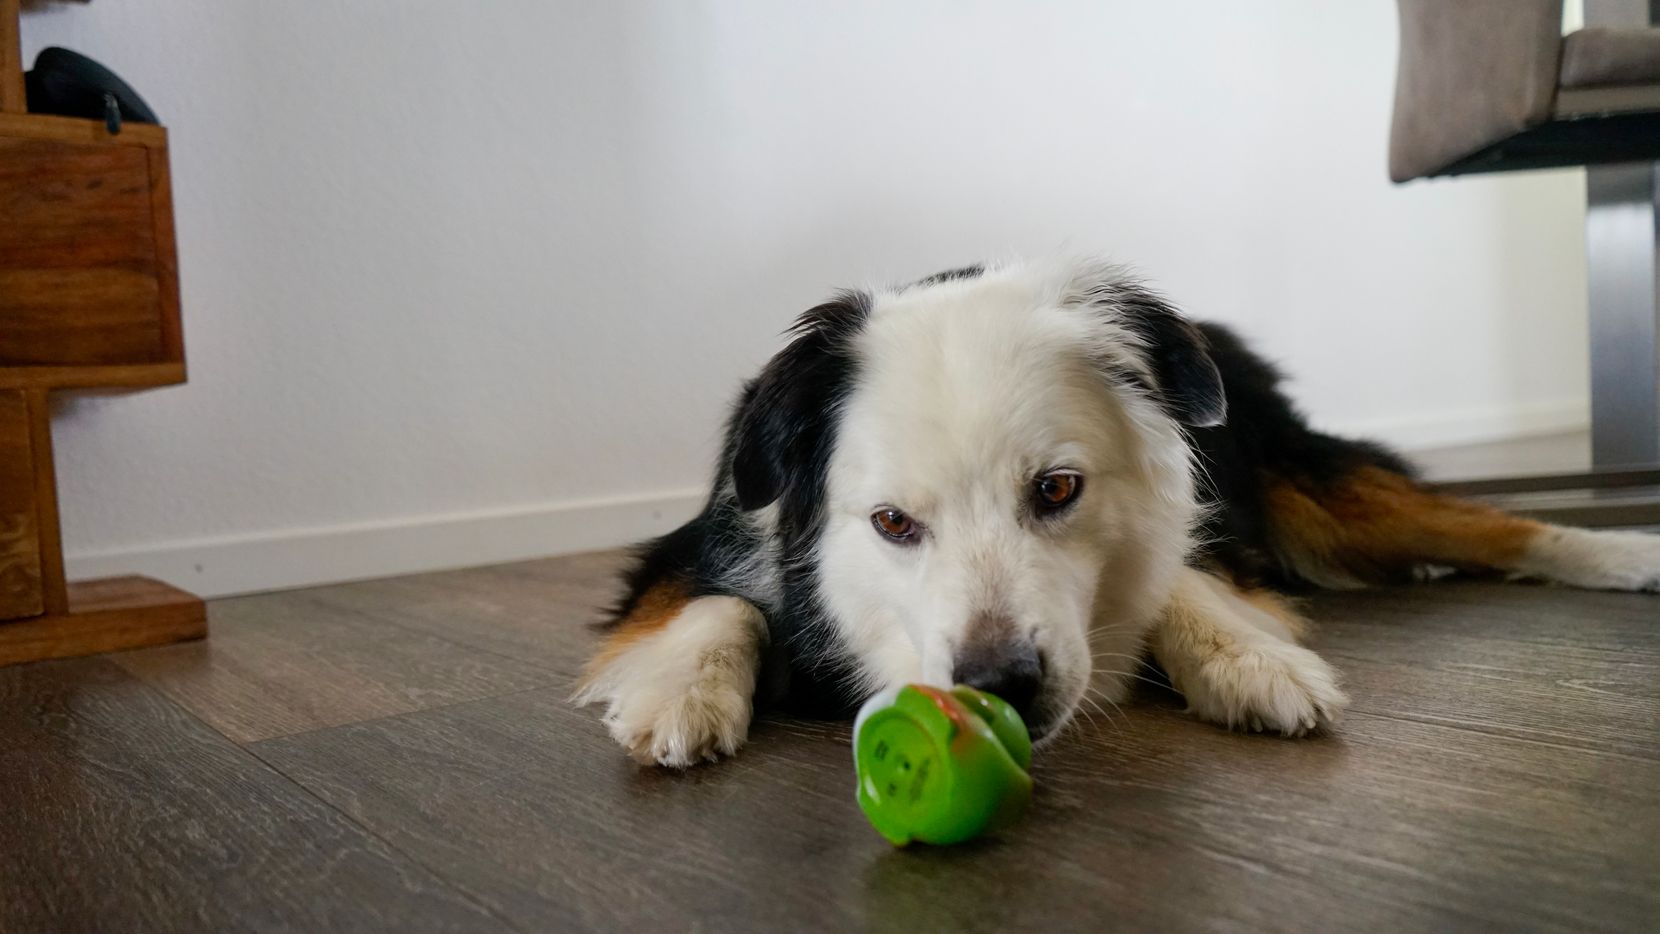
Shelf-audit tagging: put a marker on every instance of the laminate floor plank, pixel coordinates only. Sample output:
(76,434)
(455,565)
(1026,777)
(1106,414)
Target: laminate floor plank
(1565,667)
(534,611)
(285,663)
(123,813)
(1541,615)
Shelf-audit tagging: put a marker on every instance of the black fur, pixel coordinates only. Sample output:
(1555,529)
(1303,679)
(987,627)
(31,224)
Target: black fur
(1189,384)
(786,419)
(973,271)
(693,557)
(783,436)
(779,441)
(1264,437)
(1185,381)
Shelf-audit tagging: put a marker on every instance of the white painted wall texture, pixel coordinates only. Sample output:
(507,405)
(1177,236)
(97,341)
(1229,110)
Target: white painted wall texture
(470,282)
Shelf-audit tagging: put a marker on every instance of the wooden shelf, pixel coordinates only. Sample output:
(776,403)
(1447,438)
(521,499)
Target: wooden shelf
(88,264)
(89,297)
(135,376)
(75,130)
(106,616)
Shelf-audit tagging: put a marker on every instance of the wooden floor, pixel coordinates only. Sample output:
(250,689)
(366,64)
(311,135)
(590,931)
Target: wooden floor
(400,755)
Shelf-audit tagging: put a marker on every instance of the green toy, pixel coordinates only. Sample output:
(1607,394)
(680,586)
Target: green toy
(940,766)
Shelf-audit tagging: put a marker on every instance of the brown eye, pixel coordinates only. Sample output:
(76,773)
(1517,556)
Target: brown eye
(894,524)
(1056,489)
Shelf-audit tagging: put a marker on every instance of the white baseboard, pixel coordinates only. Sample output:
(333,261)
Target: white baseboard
(1471,426)
(242,564)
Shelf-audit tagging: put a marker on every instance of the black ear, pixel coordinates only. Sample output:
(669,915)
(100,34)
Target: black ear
(784,428)
(1189,384)
(1175,354)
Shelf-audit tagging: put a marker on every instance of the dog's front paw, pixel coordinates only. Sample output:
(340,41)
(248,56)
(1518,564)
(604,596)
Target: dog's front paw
(679,730)
(682,693)
(1275,687)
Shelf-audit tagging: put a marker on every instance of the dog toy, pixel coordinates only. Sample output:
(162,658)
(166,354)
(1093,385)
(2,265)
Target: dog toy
(940,766)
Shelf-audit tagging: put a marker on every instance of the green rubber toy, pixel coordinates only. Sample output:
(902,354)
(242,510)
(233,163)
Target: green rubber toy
(940,766)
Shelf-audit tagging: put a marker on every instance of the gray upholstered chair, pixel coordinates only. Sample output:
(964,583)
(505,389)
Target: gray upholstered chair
(1494,86)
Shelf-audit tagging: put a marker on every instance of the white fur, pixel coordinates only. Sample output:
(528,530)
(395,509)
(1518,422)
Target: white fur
(1594,560)
(1238,666)
(967,391)
(756,572)
(684,693)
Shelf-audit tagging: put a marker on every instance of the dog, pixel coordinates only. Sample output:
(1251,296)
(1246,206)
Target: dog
(1025,478)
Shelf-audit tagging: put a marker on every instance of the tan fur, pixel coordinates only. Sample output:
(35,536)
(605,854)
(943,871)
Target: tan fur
(1279,607)
(1377,525)
(658,605)
(677,677)
(1232,653)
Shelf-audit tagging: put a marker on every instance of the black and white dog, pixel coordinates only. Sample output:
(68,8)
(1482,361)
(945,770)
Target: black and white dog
(1024,478)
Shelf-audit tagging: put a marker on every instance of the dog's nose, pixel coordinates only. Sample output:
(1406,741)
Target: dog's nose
(1012,671)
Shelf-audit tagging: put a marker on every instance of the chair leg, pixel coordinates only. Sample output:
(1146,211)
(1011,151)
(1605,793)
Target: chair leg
(1623,251)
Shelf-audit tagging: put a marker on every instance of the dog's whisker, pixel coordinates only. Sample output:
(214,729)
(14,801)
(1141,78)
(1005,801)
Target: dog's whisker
(1110,722)
(1114,706)
(1153,681)
(1073,724)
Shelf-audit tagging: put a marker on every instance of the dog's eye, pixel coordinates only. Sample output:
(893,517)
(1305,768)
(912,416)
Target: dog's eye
(893,524)
(1056,489)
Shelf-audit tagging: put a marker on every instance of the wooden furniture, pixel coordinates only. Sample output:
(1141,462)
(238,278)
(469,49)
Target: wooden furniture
(89,297)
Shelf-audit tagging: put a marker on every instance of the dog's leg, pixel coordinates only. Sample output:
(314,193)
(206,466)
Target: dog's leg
(677,677)
(1596,560)
(1234,657)
(1375,525)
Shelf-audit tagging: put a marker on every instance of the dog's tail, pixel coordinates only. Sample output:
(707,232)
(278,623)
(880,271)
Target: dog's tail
(1375,525)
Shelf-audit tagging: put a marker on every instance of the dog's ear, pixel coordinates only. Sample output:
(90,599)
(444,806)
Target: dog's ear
(1189,384)
(1185,380)
(784,427)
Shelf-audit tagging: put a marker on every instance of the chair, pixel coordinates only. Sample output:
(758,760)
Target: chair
(1494,86)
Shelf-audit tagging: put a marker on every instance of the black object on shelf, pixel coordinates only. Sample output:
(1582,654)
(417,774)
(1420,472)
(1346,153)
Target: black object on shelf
(69,84)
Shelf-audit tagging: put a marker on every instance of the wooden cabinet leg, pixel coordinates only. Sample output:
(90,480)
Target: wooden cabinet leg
(54,588)
(12,98)
(21,590)
(42,616)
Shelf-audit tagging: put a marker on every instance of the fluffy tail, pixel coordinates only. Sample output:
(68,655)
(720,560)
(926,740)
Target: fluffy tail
(1375,525)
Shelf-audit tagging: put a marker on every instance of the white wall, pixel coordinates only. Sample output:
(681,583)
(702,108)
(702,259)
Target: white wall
(469,282)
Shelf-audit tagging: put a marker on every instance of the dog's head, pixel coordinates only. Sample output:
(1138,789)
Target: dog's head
(984,475)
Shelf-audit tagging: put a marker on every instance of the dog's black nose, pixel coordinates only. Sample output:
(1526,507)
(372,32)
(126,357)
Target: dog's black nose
(1012,671)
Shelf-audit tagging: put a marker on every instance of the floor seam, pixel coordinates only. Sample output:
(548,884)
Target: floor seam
(244,748)
(460,890)
(157,685)
(389,621)
(1497,734)
(391,716)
